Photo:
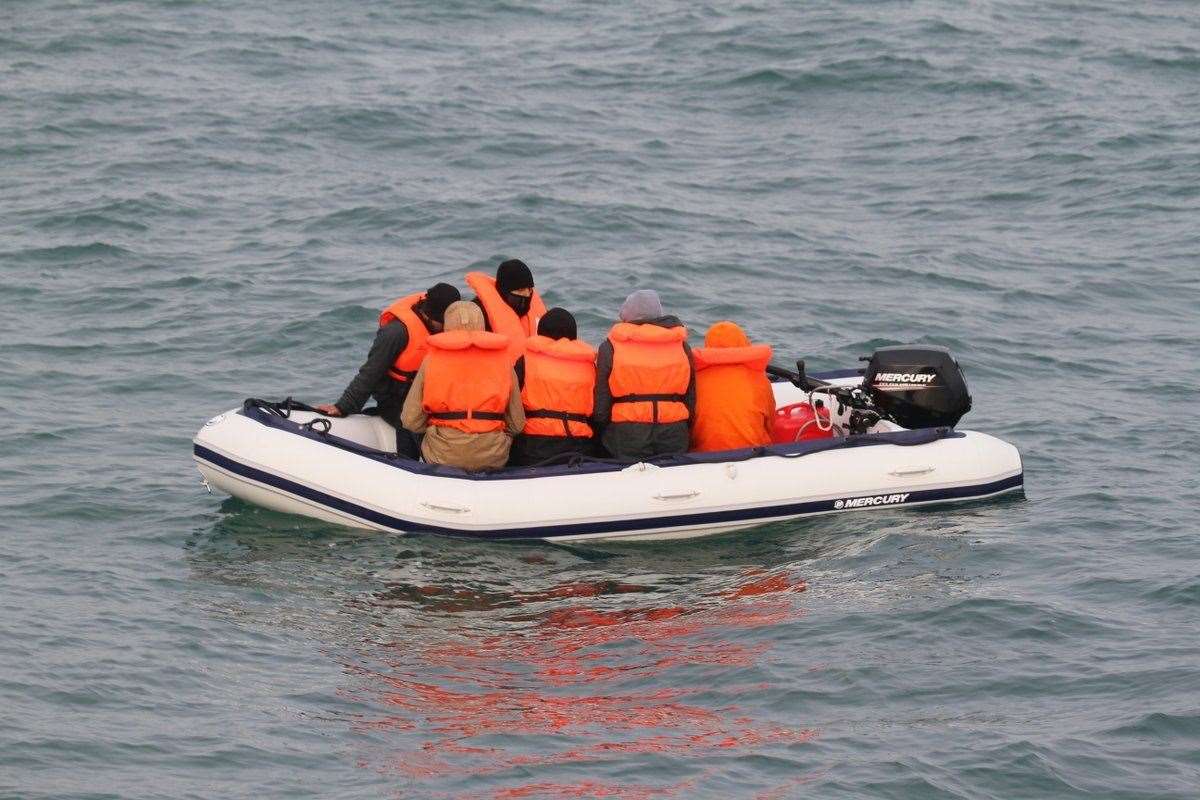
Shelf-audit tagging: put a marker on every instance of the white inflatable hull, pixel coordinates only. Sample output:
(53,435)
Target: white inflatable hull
(295,471)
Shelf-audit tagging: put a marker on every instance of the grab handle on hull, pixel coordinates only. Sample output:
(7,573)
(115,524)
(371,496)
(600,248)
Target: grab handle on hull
(447,509)
(901,473)
(687,495)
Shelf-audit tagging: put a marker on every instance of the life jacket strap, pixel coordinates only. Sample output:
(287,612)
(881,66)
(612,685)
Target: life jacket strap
(493,415)
(650,398)
(563,416)
(404,376)
(653,399)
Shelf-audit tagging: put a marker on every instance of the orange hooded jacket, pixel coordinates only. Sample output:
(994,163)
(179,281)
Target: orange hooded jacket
(735,406)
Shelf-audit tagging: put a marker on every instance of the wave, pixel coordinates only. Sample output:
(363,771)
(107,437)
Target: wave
(86,253)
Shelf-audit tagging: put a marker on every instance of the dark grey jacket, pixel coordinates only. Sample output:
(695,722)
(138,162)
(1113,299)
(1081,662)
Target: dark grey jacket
(632,441)
(373,379)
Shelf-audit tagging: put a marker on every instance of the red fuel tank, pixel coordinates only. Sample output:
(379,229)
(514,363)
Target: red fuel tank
(798,422)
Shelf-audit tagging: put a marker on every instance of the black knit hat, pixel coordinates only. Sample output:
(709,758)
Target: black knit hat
(438,299)
(513,274)
(558,324)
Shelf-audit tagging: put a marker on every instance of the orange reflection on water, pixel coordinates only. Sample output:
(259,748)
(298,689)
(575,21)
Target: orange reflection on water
(592,789)
(484,705)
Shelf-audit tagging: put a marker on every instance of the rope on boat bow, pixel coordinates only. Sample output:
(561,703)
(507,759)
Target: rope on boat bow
(319,425)
(282,408)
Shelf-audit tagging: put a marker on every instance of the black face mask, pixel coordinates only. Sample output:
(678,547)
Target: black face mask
(518,303)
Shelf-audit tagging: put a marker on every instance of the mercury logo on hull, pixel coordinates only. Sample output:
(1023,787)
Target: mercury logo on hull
(876,500)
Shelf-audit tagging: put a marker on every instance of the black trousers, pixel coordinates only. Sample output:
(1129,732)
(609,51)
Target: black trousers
(634,441)
(530,450)
(408,445)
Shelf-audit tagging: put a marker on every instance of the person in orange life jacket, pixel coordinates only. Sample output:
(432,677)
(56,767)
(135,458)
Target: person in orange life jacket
(465,397)
(735,406)
(645,382)
(560,378)
(395,355)
(512,307)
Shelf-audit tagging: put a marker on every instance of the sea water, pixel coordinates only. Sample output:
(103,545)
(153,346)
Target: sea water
(206,201)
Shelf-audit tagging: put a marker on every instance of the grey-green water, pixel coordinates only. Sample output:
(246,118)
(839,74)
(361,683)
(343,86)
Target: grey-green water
(203,201)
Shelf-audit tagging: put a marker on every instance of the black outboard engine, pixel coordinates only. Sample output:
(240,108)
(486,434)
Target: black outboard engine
(918,386)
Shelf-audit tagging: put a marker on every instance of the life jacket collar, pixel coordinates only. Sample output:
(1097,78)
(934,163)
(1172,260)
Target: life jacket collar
(461,340)
(647,333)
(500,315)
(569,349)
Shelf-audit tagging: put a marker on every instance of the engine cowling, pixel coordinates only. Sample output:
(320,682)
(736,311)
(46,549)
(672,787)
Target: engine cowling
(919,386)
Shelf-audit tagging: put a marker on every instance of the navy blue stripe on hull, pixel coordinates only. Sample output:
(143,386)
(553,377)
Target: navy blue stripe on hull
(609,526)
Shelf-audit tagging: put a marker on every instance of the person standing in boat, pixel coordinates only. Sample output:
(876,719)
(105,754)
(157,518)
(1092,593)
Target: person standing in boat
(735,406)
(397,352)
(512,307)
(464,397)
(645,394)
(558,392)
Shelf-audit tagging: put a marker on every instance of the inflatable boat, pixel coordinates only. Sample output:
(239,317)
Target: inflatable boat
(886,440)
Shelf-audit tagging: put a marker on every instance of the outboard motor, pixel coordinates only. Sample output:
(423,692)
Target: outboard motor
(918,386)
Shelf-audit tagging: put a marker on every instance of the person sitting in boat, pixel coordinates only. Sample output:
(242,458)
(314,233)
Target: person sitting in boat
(645,382)
(560,379)
(465,397)
(511,305)
(735,406)
(397,352)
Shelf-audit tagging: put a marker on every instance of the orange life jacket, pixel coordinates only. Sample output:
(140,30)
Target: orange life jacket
(405,367)
(468,380)
(502,319)
(735,407)
(650,373)
(560,378)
